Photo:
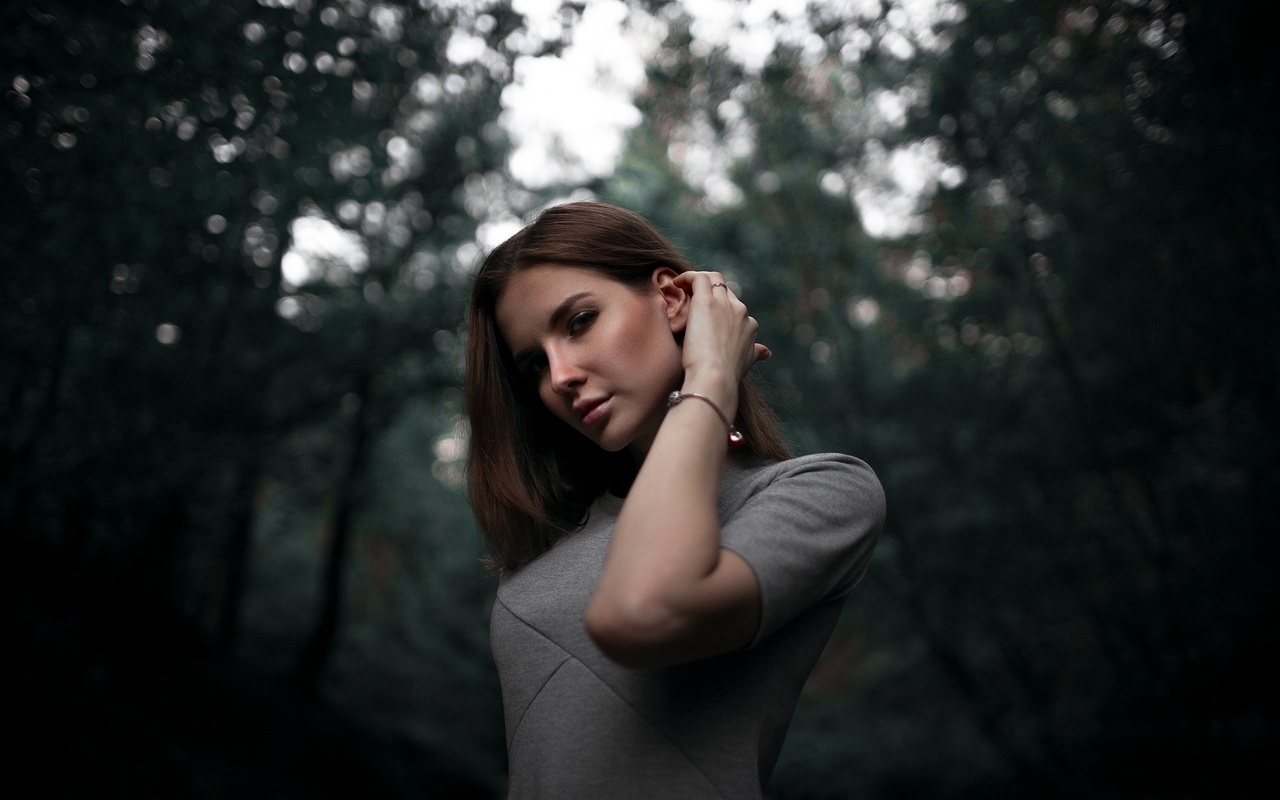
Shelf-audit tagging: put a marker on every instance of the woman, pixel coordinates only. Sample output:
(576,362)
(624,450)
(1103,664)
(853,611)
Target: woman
(664,594)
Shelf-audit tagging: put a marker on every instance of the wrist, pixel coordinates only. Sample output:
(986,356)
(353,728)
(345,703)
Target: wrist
(720,386)
(736,438)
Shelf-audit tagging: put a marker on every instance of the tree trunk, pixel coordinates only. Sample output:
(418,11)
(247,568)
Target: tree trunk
(320,646)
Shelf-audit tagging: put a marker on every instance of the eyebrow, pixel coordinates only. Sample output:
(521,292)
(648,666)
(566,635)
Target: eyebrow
(557,316)
(562,310)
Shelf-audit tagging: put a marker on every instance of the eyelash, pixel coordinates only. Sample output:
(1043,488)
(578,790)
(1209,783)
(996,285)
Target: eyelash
(580,322)
(533,366)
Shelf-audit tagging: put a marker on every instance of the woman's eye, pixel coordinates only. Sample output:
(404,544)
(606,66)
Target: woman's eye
(532,367)
(581,321)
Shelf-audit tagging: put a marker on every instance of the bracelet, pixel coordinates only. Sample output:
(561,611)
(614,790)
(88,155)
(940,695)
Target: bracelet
(736,439)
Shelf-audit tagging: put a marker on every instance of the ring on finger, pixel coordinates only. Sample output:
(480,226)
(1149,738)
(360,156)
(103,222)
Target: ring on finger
(714,285)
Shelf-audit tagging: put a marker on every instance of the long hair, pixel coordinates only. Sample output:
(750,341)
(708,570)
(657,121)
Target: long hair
(530,476)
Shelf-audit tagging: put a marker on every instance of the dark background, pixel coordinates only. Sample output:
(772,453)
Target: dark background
(237,562)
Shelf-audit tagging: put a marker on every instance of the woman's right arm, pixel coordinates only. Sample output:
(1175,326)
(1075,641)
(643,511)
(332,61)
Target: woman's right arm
(669,593)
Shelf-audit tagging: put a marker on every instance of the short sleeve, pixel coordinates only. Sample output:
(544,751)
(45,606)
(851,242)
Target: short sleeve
(807,528)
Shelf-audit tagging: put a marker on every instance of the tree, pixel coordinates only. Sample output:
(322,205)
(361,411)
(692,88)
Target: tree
(1053,373)
(170,332)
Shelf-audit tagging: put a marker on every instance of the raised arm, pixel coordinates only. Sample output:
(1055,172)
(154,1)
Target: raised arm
(669,593)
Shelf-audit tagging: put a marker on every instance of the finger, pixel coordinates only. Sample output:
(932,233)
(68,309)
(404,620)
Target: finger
(696,275)
(696,280)
(684,279)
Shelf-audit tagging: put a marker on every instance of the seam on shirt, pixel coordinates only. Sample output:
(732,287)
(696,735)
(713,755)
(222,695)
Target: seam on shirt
(571,657)
(690,761)
(537,694)
(511,735)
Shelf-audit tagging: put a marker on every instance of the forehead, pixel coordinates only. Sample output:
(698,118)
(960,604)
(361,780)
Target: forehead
(532,296)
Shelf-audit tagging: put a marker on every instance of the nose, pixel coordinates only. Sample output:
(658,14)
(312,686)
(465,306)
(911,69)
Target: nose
(563,372)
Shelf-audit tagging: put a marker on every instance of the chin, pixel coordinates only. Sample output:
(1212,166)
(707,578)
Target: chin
(615,440)
(622,434)
(612,445)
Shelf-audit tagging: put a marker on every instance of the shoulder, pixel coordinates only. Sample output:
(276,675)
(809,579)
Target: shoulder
(831,500)
(822,479)
(806,526)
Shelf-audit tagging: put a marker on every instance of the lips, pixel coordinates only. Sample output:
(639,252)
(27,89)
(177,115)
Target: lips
(591,411)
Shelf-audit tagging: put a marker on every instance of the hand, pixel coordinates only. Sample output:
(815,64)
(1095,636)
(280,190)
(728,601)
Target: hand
(720,336)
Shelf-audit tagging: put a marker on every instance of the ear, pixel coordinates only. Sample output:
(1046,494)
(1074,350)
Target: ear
(675,298)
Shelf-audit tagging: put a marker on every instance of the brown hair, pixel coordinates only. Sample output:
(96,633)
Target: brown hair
(531,477)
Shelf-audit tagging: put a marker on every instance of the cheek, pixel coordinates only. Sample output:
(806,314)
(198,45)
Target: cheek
(556,403)
(663,357)
(666,343)
(647,330)
(550,400)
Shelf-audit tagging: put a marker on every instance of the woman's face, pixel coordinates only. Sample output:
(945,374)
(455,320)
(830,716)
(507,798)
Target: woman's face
(603,356)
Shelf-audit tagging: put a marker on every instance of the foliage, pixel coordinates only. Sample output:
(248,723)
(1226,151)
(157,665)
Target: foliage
(1061,376)
(186,390)
(237,239)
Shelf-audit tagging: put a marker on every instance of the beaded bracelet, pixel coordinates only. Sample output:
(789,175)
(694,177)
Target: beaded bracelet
(736,439)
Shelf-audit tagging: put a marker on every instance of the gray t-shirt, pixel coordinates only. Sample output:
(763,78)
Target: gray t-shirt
(581,726)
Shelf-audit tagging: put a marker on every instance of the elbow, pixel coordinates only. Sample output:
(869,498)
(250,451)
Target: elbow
(630,632)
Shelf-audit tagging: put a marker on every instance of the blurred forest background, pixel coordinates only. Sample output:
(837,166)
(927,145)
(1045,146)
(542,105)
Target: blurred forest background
(1017,255)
